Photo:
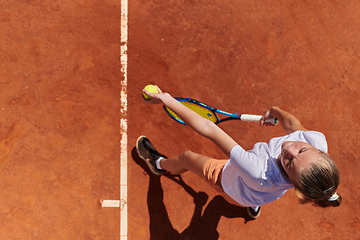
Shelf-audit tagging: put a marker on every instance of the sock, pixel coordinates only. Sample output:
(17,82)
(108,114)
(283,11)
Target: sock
(158,163)
(255,208)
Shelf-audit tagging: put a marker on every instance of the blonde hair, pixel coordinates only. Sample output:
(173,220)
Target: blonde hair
(319,183)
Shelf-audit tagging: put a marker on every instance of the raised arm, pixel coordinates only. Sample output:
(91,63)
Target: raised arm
(201,125)
(288,121)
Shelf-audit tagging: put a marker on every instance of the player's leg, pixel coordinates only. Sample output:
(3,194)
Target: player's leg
(186,161)
(179,164)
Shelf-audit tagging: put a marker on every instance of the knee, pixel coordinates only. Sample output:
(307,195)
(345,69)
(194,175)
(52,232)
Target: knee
(186,156)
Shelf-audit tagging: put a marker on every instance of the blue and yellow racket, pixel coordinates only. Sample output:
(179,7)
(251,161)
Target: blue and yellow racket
(211,113)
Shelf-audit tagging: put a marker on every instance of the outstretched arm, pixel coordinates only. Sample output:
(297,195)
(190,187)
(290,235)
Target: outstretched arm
(288,121)
(201,125)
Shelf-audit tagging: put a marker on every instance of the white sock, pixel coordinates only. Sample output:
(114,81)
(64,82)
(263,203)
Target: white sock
(158,163)
(255,208)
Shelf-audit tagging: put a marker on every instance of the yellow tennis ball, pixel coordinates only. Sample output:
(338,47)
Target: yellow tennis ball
(150,88)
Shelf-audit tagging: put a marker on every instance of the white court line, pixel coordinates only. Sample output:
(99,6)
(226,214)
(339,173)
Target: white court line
(110,203)
(123,121)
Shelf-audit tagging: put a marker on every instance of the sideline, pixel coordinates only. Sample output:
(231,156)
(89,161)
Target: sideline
(123,121)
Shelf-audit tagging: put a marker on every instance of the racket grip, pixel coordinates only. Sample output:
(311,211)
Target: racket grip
(257,118)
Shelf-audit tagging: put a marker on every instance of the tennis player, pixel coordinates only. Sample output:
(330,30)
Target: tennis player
(258,176)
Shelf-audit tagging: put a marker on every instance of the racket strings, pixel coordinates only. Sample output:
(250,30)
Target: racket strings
(205,113)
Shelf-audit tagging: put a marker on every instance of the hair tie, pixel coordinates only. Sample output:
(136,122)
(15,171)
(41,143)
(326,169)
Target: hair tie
(327,191)
(334,197)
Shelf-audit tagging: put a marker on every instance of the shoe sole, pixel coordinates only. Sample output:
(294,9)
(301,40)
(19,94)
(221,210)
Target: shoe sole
(146,161)
(252,216)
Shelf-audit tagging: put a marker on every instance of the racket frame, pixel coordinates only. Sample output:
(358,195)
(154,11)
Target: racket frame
(230,116)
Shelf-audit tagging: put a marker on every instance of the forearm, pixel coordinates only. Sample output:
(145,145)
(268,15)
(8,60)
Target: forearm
(288,121)
(191,118)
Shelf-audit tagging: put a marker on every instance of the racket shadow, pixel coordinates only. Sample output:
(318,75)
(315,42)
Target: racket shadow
(203,224)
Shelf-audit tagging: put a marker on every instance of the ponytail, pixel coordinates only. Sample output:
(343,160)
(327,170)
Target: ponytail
(324,203)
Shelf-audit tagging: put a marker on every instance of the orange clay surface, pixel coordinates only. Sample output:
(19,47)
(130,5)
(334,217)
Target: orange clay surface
(243,57)
(59,119)
(60,110)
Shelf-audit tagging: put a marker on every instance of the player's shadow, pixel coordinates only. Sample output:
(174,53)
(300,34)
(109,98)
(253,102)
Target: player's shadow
(202,225)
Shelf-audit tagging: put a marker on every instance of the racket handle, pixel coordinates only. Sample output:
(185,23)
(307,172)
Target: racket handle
(257,118)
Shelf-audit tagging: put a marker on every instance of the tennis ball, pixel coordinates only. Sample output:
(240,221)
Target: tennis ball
(150,88)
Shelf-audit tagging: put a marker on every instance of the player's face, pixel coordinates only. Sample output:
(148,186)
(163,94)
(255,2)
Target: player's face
(297,157)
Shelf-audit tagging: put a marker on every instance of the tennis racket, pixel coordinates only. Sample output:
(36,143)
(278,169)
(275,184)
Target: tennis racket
(211,113)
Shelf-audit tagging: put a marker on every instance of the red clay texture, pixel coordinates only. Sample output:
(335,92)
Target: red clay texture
(59,119)
(243,57)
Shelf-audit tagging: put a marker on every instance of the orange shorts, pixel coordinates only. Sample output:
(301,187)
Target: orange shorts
(212,171)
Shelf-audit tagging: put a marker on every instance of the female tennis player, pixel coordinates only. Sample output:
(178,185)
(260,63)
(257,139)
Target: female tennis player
(258,176)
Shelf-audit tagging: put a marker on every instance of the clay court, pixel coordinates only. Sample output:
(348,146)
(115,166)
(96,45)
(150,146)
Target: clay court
(60,108)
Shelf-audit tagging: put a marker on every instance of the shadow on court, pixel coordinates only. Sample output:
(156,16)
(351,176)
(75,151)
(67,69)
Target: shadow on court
(202,225)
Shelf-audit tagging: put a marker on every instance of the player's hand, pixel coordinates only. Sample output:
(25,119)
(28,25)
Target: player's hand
(266,115)
(155,98)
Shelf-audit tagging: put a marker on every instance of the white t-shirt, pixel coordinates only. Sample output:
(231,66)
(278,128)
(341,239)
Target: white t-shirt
(253,178)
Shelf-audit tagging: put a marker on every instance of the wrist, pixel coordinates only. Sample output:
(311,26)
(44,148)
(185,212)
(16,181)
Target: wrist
(165,97)
(275,111)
